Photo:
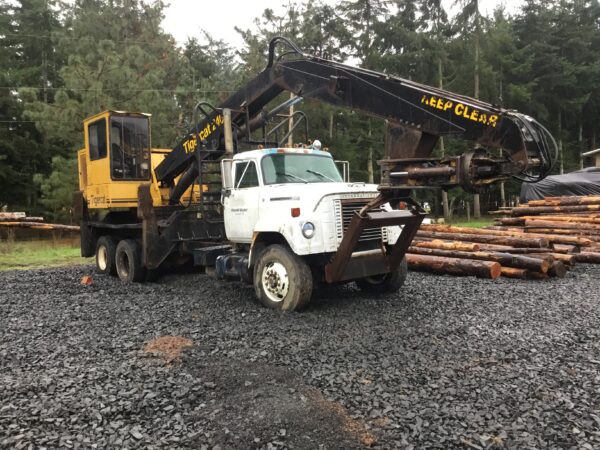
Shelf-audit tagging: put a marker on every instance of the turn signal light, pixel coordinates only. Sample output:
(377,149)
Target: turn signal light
(295,212)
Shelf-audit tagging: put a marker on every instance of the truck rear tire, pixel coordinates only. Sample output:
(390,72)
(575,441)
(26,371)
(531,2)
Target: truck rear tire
(387,283)
(106,249)
(129,261)
(282,280)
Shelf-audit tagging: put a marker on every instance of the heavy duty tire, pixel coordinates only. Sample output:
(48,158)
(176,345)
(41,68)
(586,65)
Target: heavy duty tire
(282,280)
(106,248)
(129,261)
(385,284)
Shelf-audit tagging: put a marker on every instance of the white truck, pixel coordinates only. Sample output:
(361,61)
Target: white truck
(290,207)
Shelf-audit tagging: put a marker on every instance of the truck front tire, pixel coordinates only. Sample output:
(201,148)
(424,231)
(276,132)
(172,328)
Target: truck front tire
(129,261)
(106,249)
(385,284)
(282,280)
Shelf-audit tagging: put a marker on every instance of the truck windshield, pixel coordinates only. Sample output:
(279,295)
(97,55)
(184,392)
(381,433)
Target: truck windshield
(299,168)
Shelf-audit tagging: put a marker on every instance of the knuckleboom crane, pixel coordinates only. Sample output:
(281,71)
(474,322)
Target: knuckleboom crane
(417,116)
(284,218)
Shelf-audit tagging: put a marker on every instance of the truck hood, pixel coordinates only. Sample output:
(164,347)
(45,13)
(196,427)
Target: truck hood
(313,193)
(309,196)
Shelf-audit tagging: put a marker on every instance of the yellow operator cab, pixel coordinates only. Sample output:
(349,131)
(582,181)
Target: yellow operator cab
(117,159)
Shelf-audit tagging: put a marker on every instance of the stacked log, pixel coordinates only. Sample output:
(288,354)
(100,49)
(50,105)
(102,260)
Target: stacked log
(538,240)
(22,220)
(439,264)
(18,217)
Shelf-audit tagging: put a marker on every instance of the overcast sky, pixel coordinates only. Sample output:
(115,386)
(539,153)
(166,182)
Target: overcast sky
(185,18)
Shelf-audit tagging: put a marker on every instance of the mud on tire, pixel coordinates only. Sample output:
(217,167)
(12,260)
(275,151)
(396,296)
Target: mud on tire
(282,280)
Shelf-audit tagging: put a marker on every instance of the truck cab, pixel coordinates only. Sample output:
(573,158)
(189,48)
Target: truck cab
(298,193)
(295,201)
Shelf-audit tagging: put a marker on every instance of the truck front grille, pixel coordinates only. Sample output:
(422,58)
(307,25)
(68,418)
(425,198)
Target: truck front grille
(344,211)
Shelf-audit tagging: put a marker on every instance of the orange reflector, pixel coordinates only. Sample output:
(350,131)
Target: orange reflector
(295,212)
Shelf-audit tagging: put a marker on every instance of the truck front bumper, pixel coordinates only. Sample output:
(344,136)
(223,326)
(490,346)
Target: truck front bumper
(350,265)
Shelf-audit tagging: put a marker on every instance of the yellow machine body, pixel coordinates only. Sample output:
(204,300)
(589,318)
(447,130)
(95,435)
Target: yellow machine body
(117,159)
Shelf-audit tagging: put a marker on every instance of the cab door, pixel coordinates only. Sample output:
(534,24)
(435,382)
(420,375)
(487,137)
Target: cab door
(241,205)
(97,171)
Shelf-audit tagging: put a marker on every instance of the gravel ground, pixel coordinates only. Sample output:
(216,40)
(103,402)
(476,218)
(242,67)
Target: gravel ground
(447,363)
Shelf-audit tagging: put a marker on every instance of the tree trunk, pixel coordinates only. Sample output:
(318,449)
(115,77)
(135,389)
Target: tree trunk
(439,264)
(583,227)
(567,201)
(557,269)
(442,148)
(447,245)
(569,219)
(505,259)
(560,144)
(587,257)
(580,140)
(537,210)
(370,155)
(40,226)
(476,205)
(511,272)
(500,231)
(512,241)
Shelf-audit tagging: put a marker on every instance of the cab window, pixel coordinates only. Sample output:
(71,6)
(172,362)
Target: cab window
(97,139)
(129,148)
(246,175)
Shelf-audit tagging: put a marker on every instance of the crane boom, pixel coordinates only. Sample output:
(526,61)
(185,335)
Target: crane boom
(417,116)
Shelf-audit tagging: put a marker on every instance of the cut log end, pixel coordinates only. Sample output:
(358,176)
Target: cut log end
(557,269)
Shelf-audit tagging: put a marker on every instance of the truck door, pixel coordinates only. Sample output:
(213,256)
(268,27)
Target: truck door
(241,205)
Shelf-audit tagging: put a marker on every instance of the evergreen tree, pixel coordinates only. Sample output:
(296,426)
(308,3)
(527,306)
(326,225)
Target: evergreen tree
(28,58)
(117,59)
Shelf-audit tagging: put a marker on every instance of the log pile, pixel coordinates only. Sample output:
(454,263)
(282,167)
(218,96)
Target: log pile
(21,220)
(538,240)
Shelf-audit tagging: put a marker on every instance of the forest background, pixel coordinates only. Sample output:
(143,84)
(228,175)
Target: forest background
(63,61)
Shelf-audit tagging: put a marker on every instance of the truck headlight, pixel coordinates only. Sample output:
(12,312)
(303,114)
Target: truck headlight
(308,230)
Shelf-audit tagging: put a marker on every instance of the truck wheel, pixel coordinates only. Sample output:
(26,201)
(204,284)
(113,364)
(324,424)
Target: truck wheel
(385,284)
(106,248)
(282,280)
(129,262)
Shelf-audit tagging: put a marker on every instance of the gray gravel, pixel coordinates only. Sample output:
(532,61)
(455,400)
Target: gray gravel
(447,363)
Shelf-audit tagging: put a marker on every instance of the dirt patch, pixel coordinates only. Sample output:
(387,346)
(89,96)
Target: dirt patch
(352,426)
(168,347)
(270,406)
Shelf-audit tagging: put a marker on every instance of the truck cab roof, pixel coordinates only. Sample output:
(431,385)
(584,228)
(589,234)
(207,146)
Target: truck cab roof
(256,154)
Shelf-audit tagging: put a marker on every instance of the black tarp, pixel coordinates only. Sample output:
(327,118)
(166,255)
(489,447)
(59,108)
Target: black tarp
(581,182)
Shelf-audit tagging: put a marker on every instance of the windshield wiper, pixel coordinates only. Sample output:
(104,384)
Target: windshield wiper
(320,174)
(291,175)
